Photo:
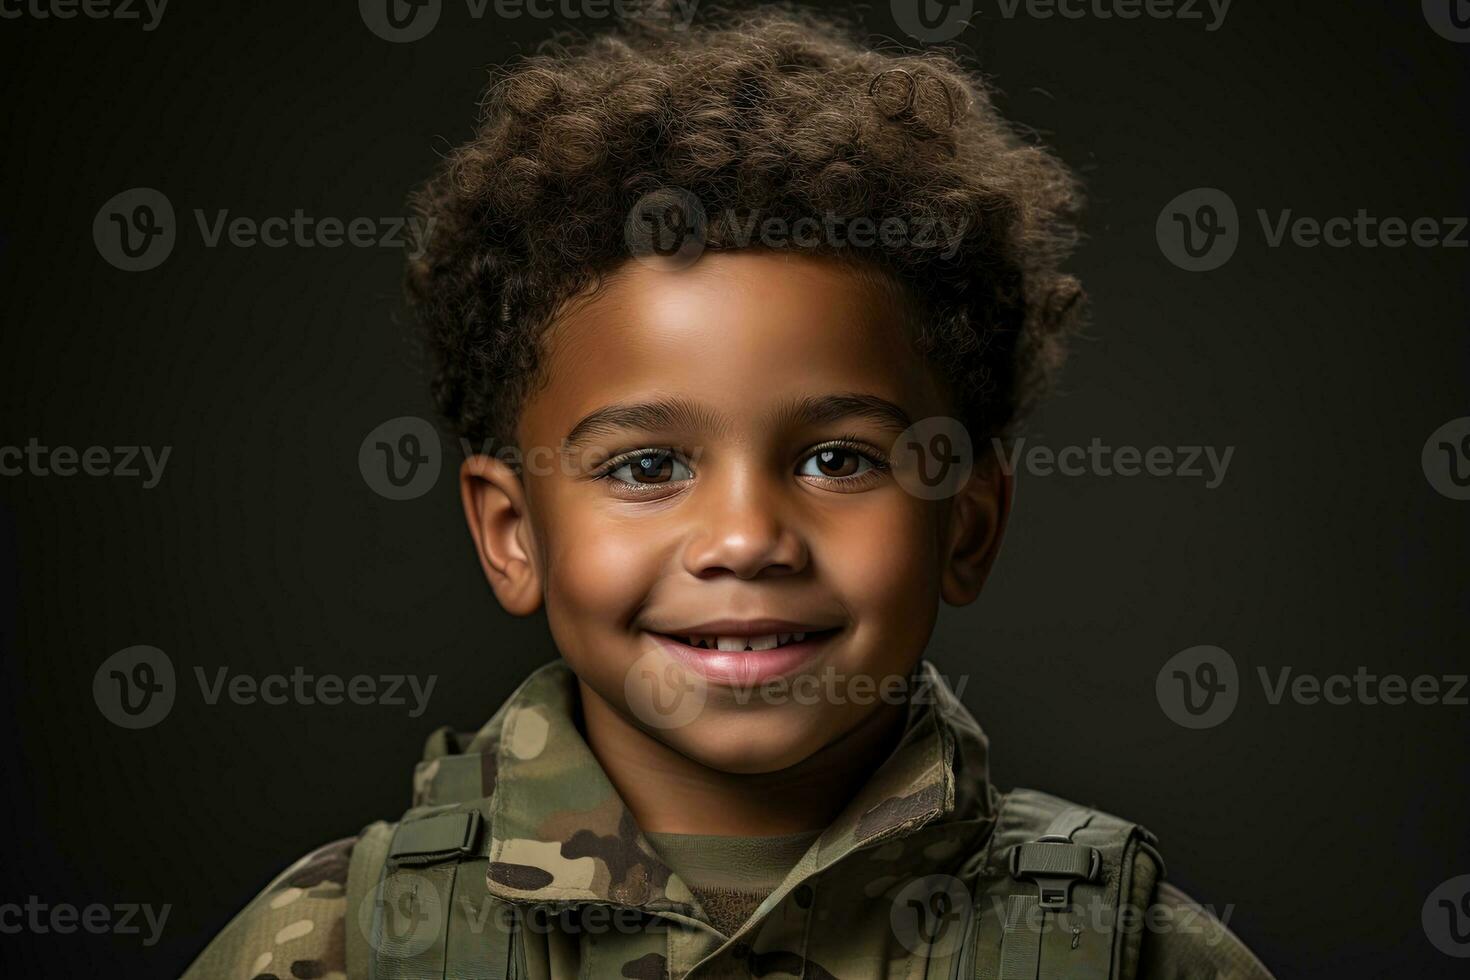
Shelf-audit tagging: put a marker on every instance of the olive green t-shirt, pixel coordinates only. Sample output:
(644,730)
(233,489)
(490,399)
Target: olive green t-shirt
(731,876)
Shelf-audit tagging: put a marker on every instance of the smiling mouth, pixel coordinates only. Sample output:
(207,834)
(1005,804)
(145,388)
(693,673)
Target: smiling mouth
(747,644)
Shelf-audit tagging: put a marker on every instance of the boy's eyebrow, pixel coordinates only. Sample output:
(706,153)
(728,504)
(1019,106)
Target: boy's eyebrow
(666,413)
(821,409)
(675,413)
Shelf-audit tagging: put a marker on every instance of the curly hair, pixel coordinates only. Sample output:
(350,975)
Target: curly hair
(775,112)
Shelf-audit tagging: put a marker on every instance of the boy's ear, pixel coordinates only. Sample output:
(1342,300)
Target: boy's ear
(495,509)
(977,524)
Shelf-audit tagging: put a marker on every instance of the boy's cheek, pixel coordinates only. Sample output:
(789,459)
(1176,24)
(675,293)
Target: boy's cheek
(598,572)
(885,559)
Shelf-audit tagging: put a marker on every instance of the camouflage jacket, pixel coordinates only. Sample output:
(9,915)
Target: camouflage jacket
(559,838)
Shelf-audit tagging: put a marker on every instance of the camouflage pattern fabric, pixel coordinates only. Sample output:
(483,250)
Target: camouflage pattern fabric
(593,899)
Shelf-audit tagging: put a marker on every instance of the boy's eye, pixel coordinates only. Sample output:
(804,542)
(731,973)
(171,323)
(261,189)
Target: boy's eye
(835,463)
(651,468)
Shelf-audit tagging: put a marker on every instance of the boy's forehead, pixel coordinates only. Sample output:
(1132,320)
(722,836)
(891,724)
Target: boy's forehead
(759,326)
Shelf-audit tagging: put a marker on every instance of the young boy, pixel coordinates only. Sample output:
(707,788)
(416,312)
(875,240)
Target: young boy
(741,297)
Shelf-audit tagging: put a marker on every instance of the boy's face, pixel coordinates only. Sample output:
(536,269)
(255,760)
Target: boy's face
(718,466)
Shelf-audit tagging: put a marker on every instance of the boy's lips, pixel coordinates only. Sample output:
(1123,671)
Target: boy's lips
(745,666)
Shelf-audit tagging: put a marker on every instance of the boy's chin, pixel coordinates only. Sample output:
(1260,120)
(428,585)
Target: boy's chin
(749,742)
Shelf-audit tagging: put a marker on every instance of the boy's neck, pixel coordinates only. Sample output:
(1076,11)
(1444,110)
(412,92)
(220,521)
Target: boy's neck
(669,793)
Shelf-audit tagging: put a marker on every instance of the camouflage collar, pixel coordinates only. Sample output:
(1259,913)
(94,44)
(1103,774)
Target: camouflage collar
(559,832)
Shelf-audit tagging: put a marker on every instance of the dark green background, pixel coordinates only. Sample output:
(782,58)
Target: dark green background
(262,548)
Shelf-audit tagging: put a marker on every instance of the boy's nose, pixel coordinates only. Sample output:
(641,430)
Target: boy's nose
(743,535)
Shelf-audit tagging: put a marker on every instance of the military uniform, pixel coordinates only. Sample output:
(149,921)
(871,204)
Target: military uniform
(518,859)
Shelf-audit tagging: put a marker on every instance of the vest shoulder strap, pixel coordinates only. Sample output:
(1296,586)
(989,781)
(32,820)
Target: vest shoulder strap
(1053,891)
(418,905)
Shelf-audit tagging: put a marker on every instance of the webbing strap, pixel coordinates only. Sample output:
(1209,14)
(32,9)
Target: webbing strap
(1020,954)
(433,915)
(481,941)
(1068,822)
(413,905)
(1053,860)
(436,838)
(1054,863)
(364,871)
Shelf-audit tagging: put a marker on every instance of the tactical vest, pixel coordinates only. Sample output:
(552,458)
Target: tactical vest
(1049,872)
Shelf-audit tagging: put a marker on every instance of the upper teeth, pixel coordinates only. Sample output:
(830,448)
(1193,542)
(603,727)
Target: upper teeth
(734,644)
